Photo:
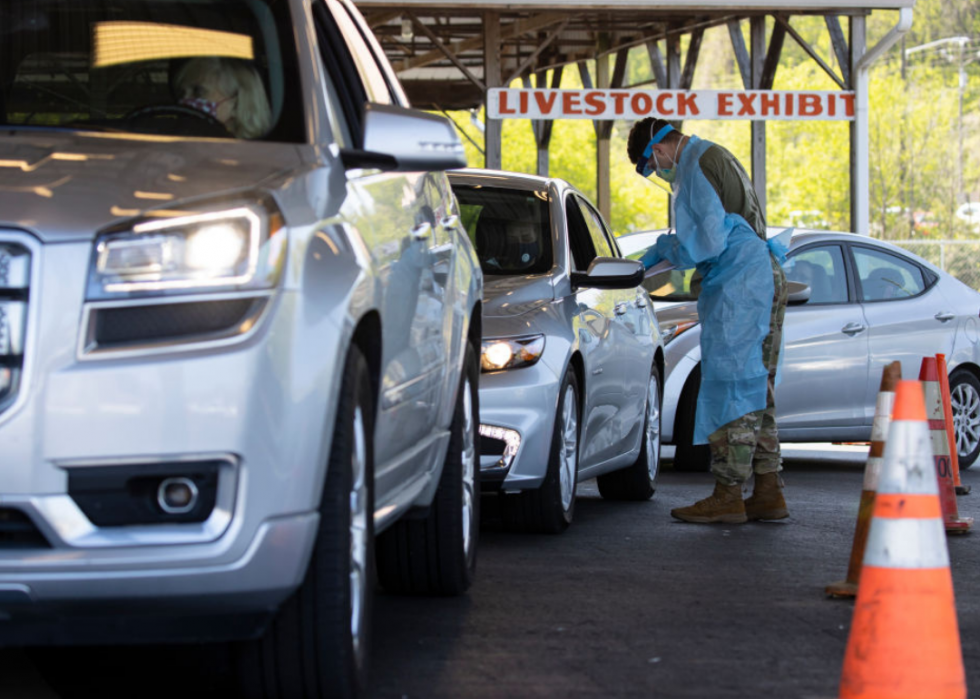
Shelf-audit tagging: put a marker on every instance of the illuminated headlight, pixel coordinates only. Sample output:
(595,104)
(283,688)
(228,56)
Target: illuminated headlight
(511,352)
(671,331)
(232,249)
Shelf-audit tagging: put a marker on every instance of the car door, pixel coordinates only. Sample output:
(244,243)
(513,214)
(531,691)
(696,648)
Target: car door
(391,214)
(632,338)
(825,367)
(908,318)
(597,334)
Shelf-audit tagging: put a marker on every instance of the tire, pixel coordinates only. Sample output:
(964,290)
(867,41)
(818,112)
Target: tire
(437,554)
(318,644)
(689,456)
(964,393)
(550,508)
(639,481)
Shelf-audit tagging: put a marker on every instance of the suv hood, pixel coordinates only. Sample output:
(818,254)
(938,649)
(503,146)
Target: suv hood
(65,186)
(514,296)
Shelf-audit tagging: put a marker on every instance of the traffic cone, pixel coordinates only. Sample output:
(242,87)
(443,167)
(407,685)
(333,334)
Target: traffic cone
(950,426)
(929,376)
(904,641)
(872,471)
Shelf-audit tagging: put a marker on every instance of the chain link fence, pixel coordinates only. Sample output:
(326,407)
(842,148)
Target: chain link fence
(960,258)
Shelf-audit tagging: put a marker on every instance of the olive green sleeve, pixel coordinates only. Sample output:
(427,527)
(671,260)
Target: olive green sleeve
(726,182)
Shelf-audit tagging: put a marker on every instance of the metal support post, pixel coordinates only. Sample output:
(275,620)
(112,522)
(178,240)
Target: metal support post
(860,133)
(757,35)
(492,78)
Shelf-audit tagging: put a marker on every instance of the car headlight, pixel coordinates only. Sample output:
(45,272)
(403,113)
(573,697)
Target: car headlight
(226,250)
(671,331)
(511,352)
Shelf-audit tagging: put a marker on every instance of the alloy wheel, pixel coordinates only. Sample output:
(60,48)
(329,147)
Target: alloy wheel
(569,447)
(965,403)
(652,435)
(469,466)
(358,533)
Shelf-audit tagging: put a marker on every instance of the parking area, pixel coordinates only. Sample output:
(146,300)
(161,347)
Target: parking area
(626,603)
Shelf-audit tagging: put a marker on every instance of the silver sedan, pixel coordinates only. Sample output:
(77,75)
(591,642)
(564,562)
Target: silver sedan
(572,355)
(869,303)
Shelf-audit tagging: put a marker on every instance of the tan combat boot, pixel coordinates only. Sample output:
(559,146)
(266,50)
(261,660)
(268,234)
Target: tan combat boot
(766,501)
(724,505)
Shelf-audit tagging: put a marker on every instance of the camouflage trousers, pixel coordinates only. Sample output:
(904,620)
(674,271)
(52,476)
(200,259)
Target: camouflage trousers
(751,443)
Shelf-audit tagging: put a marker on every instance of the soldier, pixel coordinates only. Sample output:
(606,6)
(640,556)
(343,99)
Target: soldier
(721,231)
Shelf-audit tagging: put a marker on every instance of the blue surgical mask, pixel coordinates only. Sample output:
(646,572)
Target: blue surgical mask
(666,174)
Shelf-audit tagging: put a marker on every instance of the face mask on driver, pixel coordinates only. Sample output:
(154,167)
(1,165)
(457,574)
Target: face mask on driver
(209,107)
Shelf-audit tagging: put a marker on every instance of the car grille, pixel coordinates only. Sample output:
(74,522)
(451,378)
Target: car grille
(15,273)
(17,531)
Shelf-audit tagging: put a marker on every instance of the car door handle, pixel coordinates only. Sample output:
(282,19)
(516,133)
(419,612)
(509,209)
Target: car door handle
(641,302)
(945,317)
(621,308)
(422,231)
(450,221)
(853,328)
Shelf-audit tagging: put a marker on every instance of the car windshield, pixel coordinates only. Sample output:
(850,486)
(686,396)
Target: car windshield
(510,229)
(208,68)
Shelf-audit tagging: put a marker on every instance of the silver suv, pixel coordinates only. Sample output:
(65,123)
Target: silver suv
(239,334)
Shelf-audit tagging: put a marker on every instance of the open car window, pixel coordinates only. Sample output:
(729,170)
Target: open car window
(208,68)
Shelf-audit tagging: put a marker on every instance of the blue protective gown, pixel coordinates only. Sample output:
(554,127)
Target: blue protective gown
(736,296)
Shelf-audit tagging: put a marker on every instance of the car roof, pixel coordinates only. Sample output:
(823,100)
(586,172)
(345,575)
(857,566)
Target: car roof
(509,180)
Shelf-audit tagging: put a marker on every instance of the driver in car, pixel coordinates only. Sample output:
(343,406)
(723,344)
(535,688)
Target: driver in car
(228,90)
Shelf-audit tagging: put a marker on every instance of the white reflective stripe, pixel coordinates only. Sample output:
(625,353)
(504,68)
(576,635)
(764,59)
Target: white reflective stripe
(934,400)
(883,416)
(906,543)
(872,472)
(940,442)
(908,466)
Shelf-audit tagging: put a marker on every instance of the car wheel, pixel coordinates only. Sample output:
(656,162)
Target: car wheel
(437,554)
(639,481)
(964,393)
(318,644)
(687,455)
(549,509)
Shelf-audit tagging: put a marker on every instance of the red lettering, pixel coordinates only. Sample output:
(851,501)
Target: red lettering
(770,104)
(546,101)
(524,99)
(810,105)
(848,104)
(747,99)
(504,107)
(570,103)
(641,104)
(832,105)
(724,104)
(594,100)
(789,104)
(619,101)
(687,102)
(662,107)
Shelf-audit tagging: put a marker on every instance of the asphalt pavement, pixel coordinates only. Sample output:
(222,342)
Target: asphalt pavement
(626,603)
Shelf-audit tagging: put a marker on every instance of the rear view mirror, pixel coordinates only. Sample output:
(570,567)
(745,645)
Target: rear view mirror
(406,140)
(610,273)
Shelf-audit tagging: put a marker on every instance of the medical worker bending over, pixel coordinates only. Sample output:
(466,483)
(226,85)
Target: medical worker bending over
(721,231)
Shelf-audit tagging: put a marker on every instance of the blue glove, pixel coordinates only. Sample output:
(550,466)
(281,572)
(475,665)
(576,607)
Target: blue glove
(650,257)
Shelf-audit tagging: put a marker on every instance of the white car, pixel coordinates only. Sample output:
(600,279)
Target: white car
(868,303)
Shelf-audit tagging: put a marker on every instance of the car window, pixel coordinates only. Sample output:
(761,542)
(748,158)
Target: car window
(209,68)
(510,229)
(886,277)
(597,231)
(822,269)
(579,236)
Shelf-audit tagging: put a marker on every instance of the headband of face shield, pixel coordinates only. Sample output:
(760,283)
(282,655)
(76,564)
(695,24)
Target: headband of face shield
(643,165)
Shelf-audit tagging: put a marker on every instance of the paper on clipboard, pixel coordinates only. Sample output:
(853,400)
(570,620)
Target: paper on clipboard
(659,268)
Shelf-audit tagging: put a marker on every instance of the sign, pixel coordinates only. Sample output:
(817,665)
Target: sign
(504,103)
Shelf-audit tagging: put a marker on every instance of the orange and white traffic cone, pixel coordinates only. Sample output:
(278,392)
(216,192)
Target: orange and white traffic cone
(954,457)
(929,376)
(872,470)
(904,641)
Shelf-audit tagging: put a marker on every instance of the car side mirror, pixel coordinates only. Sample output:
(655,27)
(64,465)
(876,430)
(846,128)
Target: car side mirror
(799,293)
(406,140)
(610,273)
